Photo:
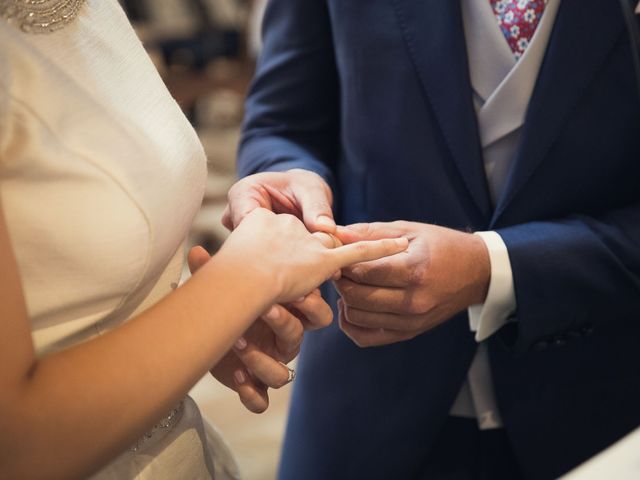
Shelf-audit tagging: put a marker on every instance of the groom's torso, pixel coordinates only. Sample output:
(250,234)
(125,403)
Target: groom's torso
(412,149)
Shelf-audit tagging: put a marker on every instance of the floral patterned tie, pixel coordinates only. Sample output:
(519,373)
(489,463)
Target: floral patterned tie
(518,20)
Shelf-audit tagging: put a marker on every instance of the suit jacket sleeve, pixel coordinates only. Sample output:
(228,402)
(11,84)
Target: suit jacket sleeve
(575,274)
(292,118)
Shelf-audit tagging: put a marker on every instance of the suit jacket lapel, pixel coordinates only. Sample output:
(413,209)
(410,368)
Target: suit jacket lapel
(434,35)
(584,34)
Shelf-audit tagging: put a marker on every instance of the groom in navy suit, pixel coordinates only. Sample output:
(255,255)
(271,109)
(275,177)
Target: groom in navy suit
(503,138)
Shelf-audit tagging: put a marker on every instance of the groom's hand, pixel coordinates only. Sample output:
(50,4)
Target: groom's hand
(396,298)
(298,192)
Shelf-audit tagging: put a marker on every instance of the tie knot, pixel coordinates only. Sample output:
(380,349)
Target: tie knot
(518,20)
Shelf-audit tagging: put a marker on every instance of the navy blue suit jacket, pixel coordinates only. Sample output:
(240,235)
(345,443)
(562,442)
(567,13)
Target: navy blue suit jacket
(375,96)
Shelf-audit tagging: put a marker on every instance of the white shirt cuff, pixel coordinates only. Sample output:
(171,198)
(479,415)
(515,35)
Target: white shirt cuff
(485,319)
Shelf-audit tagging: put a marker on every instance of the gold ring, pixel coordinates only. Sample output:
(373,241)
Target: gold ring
(334,240)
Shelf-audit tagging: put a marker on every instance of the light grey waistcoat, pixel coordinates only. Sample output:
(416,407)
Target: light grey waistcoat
(502,88)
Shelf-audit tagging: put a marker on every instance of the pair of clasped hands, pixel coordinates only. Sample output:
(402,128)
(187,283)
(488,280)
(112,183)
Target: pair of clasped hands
(403,289)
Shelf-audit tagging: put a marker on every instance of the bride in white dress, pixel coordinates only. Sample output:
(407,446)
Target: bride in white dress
(100,177)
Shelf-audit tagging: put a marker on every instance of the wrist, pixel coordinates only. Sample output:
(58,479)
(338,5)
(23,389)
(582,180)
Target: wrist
(245,279)
(480,269)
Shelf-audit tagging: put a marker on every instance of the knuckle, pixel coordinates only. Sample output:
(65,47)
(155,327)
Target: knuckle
(289,356)
(298,331)
(417,275)
(416,305)
(280,325)
(311,303)
(297,336)
(287,219)
(370,229)
(351,315)
(282,321)
(288,332)
(355,273)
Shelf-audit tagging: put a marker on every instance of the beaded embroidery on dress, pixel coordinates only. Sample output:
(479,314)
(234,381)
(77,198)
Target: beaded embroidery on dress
(40,16)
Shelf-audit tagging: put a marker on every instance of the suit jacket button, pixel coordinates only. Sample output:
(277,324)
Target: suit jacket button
(587,329)
(540,345)
(559,341)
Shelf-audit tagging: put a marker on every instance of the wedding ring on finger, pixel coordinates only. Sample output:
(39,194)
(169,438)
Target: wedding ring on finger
(291,371)
(328,240)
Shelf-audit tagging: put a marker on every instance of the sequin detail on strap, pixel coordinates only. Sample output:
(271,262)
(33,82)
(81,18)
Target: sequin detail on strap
(165,424)
(40,16)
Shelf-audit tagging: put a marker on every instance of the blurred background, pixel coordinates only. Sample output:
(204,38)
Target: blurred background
(205,51)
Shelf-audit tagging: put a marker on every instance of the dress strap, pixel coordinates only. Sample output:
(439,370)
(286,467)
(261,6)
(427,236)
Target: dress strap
(40,16)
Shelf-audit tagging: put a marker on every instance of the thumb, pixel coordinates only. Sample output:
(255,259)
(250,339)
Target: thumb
(243,198)
(315,203)
(197,257)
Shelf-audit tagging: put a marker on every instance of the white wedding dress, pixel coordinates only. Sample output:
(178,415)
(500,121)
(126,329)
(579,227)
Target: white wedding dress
(100,178)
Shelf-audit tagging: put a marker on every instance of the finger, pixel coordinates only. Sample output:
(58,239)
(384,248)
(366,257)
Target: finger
(393,271)
(252,394)
(263,367)
(383,299)
(314,198)
(230,371)
(367,337)
(358,232)
(387,321)
(313,311)
(368,250)
(197,257)
(286,327)
(226,219)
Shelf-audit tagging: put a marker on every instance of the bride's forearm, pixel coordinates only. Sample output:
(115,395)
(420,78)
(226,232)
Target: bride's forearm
(77,409)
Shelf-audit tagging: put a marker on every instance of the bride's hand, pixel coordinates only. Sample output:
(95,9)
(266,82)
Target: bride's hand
(254,364)
(287,261)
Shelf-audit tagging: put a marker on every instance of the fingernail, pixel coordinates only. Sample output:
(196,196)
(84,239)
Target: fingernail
(241,343)
(325,221)
(298,300)
(239,376)
(402,241)
(273,313)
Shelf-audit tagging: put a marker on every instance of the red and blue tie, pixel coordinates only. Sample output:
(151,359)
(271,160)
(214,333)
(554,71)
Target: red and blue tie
(518,20)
